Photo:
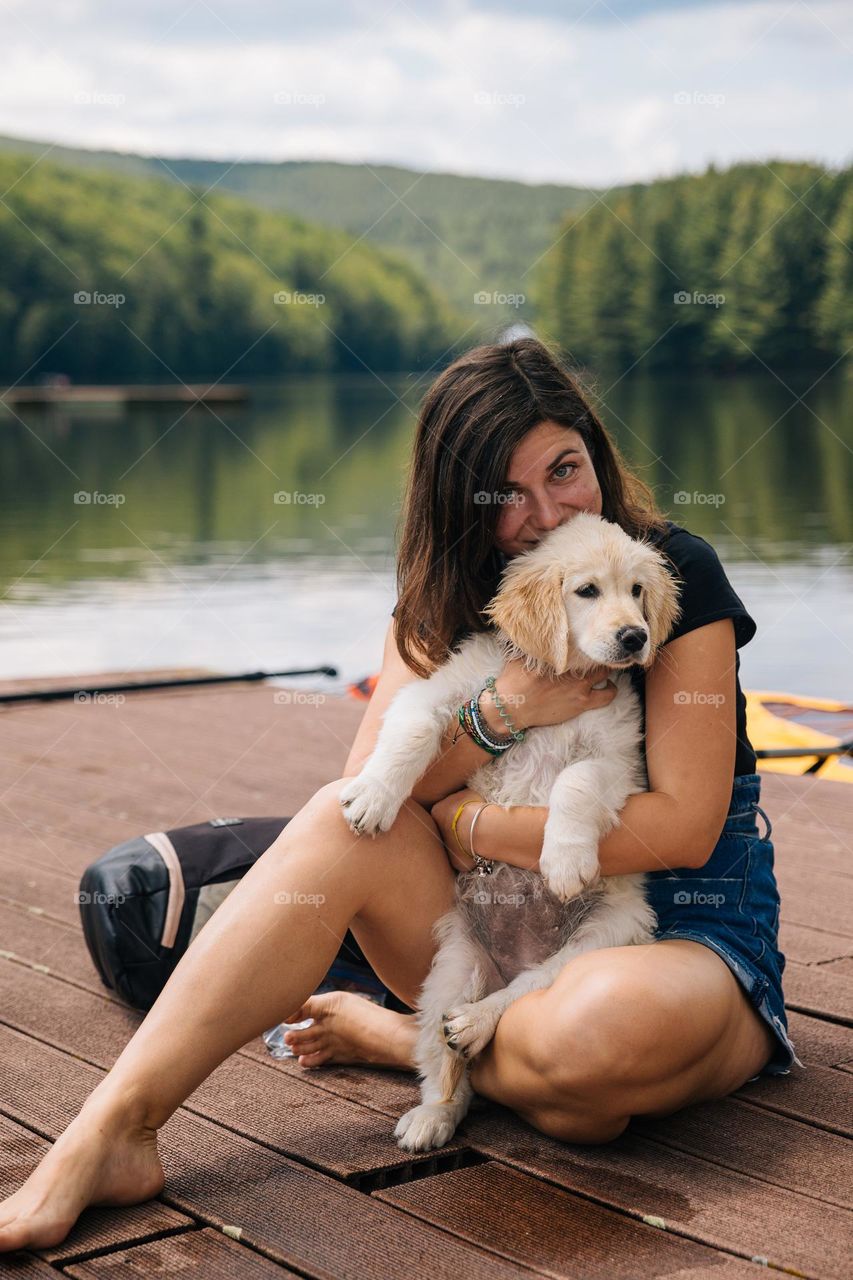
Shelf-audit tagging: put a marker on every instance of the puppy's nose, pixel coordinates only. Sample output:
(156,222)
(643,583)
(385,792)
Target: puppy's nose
(632,638)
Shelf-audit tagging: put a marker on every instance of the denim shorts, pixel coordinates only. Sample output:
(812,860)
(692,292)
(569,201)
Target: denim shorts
(731,904)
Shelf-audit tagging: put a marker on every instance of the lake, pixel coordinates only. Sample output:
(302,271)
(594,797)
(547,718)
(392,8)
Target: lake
(183,557)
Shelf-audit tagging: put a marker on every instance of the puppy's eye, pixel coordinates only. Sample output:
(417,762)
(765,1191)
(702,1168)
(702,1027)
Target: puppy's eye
(589,592)
(636,590)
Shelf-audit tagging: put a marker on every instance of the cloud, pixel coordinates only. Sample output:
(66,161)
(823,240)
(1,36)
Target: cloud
(589,94)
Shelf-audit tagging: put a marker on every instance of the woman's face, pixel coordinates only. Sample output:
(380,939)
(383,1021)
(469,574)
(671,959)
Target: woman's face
(550,479)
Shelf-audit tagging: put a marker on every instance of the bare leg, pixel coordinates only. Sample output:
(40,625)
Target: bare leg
(256,961)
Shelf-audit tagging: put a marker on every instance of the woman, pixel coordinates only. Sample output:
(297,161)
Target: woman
(507,448)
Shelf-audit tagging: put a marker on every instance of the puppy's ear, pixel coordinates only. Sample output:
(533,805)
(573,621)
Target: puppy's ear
(530,609)
(662,606)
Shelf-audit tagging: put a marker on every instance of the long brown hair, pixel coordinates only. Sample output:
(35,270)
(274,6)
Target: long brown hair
(472,418)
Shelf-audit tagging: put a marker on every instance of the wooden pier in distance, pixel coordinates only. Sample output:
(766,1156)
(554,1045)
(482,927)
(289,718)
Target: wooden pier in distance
(172,393)
(273,1170)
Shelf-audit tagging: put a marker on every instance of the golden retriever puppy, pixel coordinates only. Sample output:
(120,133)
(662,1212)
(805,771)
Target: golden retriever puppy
(587,595)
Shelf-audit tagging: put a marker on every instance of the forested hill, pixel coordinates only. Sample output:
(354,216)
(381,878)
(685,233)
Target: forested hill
(198,287)
(744,268)
(748,267)
(467,235)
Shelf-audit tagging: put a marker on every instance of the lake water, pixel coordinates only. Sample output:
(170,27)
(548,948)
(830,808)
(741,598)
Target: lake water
(198,565)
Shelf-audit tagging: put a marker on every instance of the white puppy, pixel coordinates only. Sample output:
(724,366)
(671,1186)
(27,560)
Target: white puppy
(588,595)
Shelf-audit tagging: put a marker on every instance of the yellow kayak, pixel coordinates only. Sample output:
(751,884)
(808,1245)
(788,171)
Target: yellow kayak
(791,722)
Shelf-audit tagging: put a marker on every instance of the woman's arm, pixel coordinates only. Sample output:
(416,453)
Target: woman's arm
(535,700)
(456,762)
(690,753)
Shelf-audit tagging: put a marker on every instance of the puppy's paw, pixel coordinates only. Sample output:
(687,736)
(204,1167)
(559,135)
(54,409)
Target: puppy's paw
(368,805)
(427,1126)
(469,1028)
(570,870)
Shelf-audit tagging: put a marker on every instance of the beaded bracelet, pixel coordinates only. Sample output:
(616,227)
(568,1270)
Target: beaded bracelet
(472,724)
(483,729)
(518,734)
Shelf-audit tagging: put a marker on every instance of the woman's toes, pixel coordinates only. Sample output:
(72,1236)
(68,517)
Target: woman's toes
(309,1045)
(314,1059)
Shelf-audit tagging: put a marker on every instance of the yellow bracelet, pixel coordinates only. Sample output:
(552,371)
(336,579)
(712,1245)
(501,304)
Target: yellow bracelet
(453,826)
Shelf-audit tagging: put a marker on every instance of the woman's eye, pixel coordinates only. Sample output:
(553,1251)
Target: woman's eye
(562,467)
(589,592)
(636,590)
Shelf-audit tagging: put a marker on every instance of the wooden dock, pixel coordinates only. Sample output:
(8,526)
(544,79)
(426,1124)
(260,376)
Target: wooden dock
(273,1170)
(172,393)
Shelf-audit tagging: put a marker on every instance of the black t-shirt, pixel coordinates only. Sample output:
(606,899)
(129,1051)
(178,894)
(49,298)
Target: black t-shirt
(706,596)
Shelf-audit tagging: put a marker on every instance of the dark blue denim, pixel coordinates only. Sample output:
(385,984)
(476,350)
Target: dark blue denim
(731,904)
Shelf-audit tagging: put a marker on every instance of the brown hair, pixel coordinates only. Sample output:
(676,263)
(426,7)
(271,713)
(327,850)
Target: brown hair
(472,418)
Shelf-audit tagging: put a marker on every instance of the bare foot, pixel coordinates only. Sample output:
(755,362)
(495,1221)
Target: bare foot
(100,1159)
(350,1029)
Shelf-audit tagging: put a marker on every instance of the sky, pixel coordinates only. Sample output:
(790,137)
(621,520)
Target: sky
(567,91)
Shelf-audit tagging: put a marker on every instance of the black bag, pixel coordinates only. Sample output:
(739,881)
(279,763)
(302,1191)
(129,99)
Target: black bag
(145,900)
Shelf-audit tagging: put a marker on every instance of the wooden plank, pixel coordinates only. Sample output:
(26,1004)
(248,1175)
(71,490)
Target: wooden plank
(823,1043)
(805,945)
(755,1203)
(25,1266)
(285,1122)
(225,1180)
(815,852)
(210,1254)
(253,1098)
(812,989)
(818,901)
(807,800)
(842,968)
(44,942)
(39,886)
(818,1095)
(694,1196)
(563,1234)
(769,1147)
(96,1229)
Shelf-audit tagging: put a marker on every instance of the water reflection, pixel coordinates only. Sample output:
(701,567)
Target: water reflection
(264,534)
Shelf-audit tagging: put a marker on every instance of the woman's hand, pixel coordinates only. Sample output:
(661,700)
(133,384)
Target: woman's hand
(442,812)
(531,700)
